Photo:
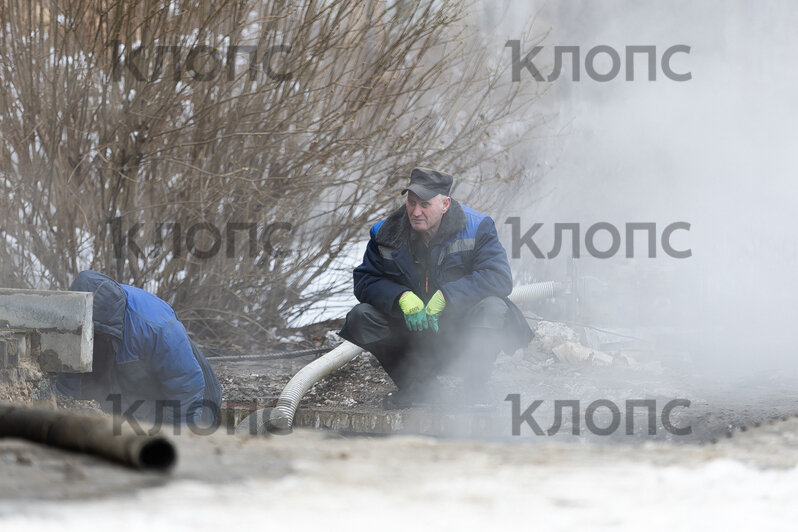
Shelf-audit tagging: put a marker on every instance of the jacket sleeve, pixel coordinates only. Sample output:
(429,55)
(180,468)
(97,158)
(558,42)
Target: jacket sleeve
(490,271)
(373,285)
(171,361)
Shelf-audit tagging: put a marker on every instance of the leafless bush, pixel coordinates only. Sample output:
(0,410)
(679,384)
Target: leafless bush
(105,127)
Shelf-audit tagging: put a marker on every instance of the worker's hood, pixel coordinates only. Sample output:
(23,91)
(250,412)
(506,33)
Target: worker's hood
(110,301)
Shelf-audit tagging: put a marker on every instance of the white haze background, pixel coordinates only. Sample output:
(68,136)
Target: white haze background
(717,151)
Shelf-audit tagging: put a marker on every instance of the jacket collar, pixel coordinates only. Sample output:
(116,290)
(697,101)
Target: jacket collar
(396,230)
(109,302)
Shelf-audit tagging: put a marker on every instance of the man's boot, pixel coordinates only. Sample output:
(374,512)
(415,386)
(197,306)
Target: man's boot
(424,392)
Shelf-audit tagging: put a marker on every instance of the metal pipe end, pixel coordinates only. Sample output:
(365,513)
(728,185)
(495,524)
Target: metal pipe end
(157,454)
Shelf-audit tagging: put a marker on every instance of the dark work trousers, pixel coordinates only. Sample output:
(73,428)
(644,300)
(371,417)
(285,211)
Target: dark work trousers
(465,345)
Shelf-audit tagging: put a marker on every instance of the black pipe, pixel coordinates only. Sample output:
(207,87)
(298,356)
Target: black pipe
(272,356)
(90,434)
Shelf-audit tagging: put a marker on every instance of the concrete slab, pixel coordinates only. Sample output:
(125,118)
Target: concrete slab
(62,320)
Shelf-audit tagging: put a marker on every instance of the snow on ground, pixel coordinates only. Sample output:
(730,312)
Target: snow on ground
(722,494)
(405,482)
(340,271)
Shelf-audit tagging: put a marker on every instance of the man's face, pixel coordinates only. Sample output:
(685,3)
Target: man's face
(425,215)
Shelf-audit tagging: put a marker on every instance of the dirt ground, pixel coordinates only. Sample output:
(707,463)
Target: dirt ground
(717,408)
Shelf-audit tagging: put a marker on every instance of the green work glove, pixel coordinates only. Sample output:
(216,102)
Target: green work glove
(435,306)
(413,309)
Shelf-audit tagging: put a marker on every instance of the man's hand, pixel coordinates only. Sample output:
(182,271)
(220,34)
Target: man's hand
(413,310)
(435,306)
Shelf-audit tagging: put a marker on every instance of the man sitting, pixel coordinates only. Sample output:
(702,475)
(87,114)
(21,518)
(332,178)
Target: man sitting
(433,290)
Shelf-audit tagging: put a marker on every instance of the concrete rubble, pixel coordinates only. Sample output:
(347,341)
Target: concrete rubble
(564,343)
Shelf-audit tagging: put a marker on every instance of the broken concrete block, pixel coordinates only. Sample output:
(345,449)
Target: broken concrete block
(63,321)
(551,334)
(574,353)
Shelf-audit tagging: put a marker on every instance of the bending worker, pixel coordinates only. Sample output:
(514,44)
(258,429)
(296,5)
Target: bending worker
(143,358)
(433,290)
